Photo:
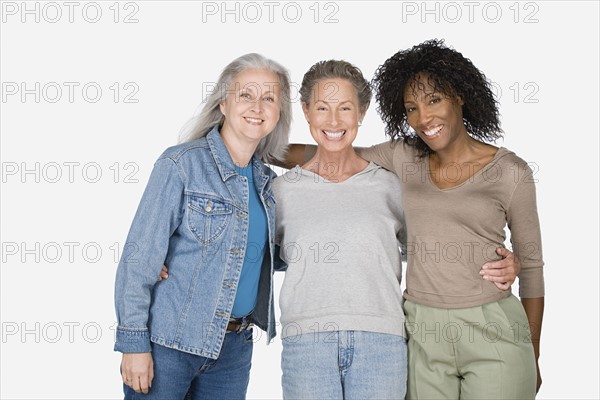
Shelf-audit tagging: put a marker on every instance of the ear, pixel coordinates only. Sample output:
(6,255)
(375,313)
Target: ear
(361,114)
(460,101)
(222,107)
(305,110)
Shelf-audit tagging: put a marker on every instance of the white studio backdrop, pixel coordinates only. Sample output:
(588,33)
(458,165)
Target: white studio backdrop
(93,92)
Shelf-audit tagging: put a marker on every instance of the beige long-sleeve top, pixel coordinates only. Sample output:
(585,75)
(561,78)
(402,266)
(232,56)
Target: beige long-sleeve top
(453,232)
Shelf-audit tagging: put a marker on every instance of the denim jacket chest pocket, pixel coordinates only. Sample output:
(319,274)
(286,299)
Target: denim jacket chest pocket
(208,216)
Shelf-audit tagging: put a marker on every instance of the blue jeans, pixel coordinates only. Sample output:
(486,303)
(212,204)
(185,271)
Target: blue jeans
(344,365)
(179,375)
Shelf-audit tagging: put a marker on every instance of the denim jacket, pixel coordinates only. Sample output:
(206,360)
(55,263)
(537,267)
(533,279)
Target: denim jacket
(193,217)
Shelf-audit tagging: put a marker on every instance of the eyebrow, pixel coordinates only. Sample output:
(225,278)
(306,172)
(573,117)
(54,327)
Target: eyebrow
(334,102)
(245,89)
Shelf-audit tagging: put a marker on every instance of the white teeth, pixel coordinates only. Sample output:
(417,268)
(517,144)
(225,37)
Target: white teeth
(334,135)
(433,131)
(253,120)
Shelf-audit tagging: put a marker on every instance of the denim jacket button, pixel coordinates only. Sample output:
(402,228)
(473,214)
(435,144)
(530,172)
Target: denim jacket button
(208,207)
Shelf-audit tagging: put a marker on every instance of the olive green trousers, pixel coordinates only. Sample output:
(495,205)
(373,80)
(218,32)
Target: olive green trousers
(482,352)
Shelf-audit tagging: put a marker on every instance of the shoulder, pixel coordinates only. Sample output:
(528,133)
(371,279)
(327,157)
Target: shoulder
(293,175)
(383,179)
(266,169)
(508,159)
(188,149)
(399,150)
(392,146)
(510,169)
(296,183)
(379,173)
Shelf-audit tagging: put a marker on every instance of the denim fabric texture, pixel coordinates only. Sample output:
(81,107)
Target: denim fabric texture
(344,365)
(224,378)
(193,217)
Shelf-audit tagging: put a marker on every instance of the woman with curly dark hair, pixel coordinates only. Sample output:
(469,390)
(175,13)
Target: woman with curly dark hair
(467,338)
(448,72)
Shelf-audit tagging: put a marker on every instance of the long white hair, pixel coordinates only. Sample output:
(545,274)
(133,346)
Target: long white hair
(273,145)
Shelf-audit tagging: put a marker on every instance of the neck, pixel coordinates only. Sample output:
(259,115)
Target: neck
(337,165)
(241,151)
(458,151)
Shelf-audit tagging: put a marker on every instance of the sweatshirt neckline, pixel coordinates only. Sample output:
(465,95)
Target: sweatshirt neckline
(370,166)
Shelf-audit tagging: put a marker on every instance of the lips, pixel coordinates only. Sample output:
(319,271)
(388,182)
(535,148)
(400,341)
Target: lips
(334,134)
(430,133)
(253,121)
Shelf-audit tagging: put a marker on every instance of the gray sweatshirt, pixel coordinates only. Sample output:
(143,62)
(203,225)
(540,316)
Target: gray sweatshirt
(340,242)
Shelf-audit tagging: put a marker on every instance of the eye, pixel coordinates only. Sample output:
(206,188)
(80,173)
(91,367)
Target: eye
(269,99)
(245,96)
(409,109)
(435,100)
(320,108)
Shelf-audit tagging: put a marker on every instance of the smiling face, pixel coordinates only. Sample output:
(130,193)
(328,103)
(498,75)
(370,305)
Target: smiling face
(252,106)
(436,117)
(333,114)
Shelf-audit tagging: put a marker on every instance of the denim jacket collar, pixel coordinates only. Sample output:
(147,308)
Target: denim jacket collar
(225,163)
(220,154)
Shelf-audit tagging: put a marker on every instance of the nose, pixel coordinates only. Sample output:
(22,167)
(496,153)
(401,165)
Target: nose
(257,105)
(333,118)
(423,116)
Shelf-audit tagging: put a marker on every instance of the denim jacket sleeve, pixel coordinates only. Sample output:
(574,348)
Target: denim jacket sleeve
(158,216)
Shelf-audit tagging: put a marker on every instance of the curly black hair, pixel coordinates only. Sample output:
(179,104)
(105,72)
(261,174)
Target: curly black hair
(450,74)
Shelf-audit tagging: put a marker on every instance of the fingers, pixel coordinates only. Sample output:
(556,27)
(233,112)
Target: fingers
(496,268)
(497,276)
(141,384)
(126,380)
(502,272)
(144,384)
(135,385)
(511,258)
(137,371)
(164,273)
(503,252)
(502,285)
(132,383)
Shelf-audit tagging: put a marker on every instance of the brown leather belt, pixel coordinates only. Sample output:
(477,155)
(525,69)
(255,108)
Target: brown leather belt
(237,326)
